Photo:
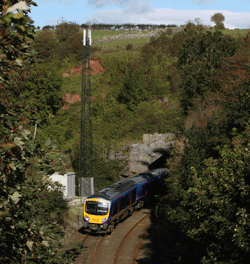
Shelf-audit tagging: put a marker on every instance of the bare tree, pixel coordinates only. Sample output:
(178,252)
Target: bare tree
(198,21)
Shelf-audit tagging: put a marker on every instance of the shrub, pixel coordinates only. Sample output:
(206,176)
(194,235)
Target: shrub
(28,230)
(169,31)
(54,204)
(66,29)
(220,26)
(129,46)
(213,207)
(42,92)
(74,46)
(199,60)
(46,45)
(134,91)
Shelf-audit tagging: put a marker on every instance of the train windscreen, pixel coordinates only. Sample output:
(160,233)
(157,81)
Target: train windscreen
(96,208)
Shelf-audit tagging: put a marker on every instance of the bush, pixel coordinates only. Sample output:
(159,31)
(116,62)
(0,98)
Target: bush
(28,229)
(220,26)
(42,92)
(129,46)
(66,29)
(213,207)
(133,91)
(199,60)
(169,31)
(54,204)
(46,45)
(74,46)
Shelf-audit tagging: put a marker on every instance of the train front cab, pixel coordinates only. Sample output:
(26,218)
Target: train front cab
(96,214)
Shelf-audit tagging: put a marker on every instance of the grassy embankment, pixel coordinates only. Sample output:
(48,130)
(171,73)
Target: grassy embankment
(113,123)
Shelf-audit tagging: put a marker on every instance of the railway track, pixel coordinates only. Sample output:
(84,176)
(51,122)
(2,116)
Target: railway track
(122,246)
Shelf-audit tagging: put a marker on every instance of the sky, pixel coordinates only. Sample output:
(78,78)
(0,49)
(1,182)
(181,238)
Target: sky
(178,12)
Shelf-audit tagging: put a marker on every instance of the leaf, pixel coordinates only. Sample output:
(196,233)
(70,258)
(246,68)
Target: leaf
(48,142)
(30,244)
(45,243)
(18,141)
(19,15)
(15,197)
(21,5)
(13,166)
(19,62)
(33,3)
(25,133)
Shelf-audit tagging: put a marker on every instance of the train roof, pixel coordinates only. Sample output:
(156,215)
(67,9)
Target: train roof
(121,186)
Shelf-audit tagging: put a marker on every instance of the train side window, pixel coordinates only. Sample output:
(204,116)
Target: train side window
(125,200)
(133,195)
(115,207)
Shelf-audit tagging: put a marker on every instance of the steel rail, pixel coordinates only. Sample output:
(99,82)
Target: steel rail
(96,249)
(130,232)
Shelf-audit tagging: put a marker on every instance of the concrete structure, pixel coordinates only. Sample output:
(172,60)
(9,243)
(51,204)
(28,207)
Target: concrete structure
(68,182)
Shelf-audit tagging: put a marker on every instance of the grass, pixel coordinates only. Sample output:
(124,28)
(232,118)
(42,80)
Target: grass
(101,33)
(125,42)
(72,216)
(72,84)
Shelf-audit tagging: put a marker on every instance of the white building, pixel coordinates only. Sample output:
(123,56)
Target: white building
(68,182)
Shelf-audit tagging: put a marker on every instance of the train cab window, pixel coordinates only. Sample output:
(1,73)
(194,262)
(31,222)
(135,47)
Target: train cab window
(96,208)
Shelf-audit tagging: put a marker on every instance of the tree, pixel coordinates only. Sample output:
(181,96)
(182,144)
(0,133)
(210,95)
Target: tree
(213,208)
(42,92)
(25,236)
(66,29)
(48,27)
(218,19)
(133,91)
(199,60)
(46,45)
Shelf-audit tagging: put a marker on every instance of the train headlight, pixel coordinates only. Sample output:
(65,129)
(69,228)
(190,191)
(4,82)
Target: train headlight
(86,218)
(104,219)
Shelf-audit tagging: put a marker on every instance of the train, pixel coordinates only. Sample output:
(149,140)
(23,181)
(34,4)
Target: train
(103,210)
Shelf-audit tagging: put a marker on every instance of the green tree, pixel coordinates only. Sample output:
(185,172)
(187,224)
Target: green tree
(133,91)
(42,92)
(74,46)
(46,45)
(25,236)
(199,60)
(28,232)
(213,208)
(218,19)
(66,29)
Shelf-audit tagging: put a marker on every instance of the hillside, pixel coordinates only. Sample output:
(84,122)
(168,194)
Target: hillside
(195,81)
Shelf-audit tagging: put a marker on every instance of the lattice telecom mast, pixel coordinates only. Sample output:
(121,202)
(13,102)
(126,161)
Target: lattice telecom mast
(86,148)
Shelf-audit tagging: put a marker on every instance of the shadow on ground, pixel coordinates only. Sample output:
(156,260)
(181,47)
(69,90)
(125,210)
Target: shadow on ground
(165,244)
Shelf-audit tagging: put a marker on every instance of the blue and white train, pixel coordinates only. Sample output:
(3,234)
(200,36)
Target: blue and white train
(104,209)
